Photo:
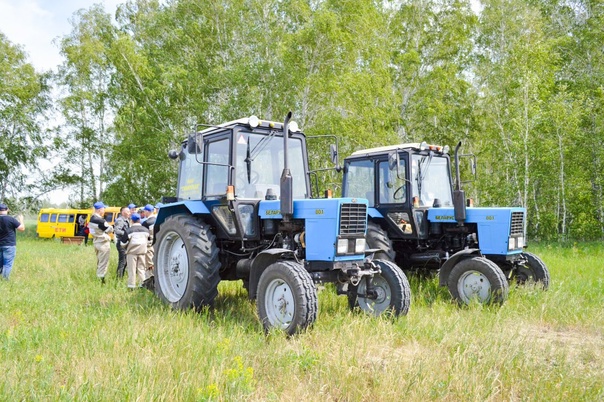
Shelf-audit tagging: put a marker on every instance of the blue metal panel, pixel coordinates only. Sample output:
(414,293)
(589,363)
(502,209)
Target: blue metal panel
(322,217)
(493,226)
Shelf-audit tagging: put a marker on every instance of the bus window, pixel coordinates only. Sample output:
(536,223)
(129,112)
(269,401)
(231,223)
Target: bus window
(53,218)
(44,217)
(62,218)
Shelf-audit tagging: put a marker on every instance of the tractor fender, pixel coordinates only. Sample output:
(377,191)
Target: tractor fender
(179,208)
(261,262)
(447,267)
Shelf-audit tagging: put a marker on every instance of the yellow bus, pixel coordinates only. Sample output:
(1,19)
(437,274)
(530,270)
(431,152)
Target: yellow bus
(57,223)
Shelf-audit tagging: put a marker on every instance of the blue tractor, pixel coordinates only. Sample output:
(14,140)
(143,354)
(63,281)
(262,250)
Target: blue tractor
(243,212)
(421,220)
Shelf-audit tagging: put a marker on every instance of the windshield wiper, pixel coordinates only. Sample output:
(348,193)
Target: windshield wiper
(261,145)
(248,162)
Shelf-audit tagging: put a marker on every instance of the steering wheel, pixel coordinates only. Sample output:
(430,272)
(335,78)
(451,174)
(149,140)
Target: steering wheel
(400,190)
(254,177)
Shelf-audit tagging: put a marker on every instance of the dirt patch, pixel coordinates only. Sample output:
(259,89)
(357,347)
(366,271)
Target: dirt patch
(577,344)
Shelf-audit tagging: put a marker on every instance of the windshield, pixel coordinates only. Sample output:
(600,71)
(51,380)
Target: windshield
(359,180)
(430,179)
(259,164)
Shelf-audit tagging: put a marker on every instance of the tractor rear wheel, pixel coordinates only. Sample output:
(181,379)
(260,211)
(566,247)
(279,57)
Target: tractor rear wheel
(287,297)
(391,291)
(186,263)
(478,279)
(378,238)
(535,271)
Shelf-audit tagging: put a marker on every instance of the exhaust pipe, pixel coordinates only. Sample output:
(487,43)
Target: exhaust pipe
(286,182)
(459,196)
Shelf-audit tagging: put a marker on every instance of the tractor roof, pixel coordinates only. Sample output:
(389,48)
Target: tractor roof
(252,122)
(387,148)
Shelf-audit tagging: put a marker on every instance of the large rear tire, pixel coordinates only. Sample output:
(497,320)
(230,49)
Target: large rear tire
(378,238)
(186,263)
(392,291)
(287,298)
(478,279)
(535,271)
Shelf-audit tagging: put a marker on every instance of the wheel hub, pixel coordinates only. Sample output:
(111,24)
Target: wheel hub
(279,303)
(474,285)
(377,298)
(173,267)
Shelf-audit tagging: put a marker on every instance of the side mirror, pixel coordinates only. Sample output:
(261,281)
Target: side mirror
(394,162)
(333,153)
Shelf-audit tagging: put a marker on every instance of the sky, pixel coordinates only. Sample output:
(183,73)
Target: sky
(34,24)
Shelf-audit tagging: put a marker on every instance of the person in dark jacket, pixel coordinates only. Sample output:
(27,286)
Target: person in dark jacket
(135,240)
(122,222)
(8,240)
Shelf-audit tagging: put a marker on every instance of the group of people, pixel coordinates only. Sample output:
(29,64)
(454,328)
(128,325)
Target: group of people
(133,234)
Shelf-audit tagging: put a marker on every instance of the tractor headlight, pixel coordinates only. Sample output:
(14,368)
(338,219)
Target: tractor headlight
(293,127)
(342,246)
(359,246)
(515,243)
(253,121)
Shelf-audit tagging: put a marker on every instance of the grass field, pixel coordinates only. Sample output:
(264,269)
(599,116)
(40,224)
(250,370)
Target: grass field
(63,336)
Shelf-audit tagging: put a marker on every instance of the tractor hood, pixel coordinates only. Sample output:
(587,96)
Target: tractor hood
(491,224)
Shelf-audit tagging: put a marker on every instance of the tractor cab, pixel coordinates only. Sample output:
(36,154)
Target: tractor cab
(401,183)
(246,156)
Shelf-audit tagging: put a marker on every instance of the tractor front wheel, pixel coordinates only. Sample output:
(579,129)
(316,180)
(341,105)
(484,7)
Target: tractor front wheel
(534,271)
(287,297)
(477,279)
(389,291)
(186,263)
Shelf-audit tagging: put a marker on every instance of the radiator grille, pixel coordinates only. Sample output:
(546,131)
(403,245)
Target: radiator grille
(517,227)
(353,219)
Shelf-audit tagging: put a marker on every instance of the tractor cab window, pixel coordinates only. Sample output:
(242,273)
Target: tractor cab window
(259,164)
(190,174)
(431,179)
(392,185)
(217,167)
(360,180)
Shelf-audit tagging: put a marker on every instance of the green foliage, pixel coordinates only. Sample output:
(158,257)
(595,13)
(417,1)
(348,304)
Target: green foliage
(23,103)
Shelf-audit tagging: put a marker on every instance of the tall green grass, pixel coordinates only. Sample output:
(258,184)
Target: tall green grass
(63,336)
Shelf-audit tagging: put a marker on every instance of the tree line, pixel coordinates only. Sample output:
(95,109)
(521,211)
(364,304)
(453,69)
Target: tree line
(519,82)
